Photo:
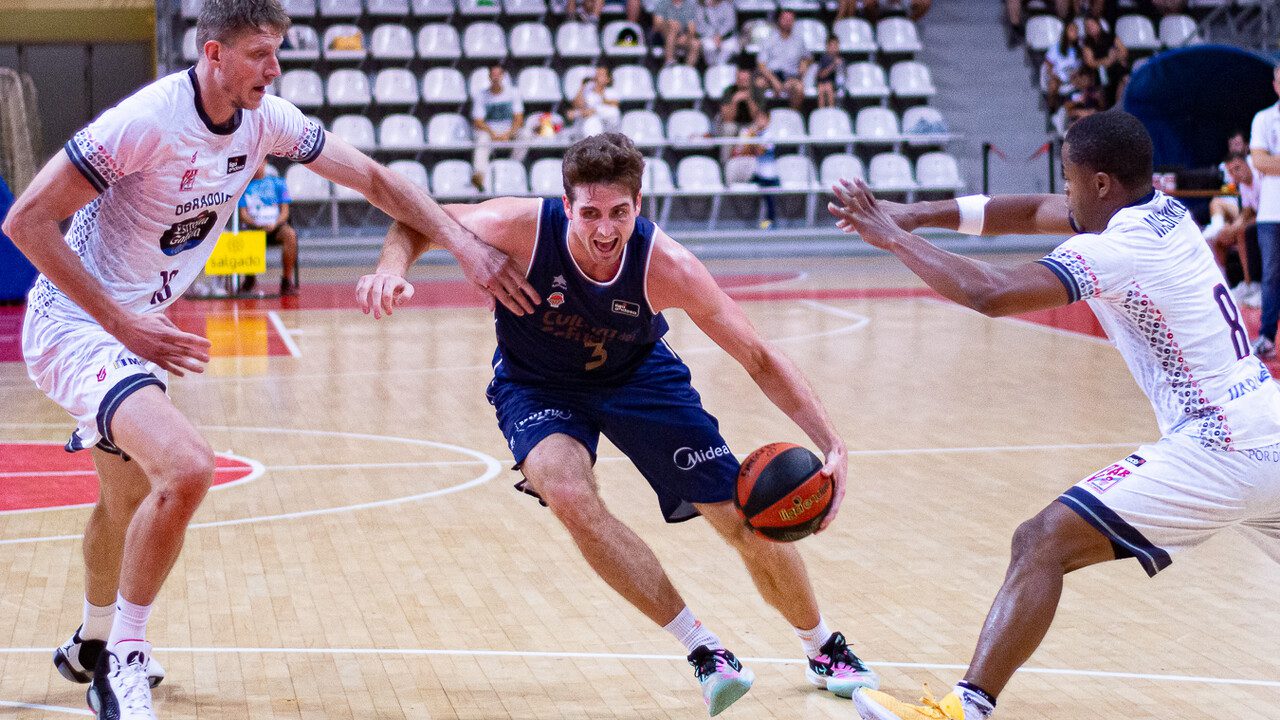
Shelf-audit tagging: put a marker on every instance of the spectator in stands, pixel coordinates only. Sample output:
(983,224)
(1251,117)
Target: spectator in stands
(871,9)
(830,77)
(784,59)
(595,107)
(1103,52)
(756,162)
(585,10)
(1014,9)
(1060,64)
(676,22)
(1088,97)
(1238,143)
(1233,229)
(265,206)
(497,114)
(1264,147)
(742,109)
(718,26)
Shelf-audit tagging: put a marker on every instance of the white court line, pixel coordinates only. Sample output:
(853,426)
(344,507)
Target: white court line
(443,652)
(48,708)
(289,344)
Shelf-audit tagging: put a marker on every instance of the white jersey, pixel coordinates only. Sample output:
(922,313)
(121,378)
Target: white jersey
(170,179)
(1153,284)
(1265,135)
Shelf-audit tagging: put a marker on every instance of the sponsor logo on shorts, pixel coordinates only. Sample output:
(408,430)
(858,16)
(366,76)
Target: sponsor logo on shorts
(1268,454)
(186,234)
(624,307)
(556,299)
(542,416)
(1108,476)
(125,362)
(188,180)
(236,163)
(1136,460)
(687,458)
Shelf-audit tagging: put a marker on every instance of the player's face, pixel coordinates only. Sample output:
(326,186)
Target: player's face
(247,66)
(1085,192)
(602,217)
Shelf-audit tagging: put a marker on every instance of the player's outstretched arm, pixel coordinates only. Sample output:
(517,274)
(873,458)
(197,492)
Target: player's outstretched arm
(990,289)
(1003,215)
(508,225)
(678,280)
(56,192)
(404,201)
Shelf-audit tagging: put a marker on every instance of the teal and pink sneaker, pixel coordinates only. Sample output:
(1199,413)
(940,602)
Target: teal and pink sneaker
(837,669)
(722,677)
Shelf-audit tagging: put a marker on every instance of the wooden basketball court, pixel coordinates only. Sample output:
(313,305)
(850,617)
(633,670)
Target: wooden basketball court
(365,556)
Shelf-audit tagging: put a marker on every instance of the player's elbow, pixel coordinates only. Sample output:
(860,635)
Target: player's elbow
(990,301)
(17,224)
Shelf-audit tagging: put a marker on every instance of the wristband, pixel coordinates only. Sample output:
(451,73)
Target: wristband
(973,209)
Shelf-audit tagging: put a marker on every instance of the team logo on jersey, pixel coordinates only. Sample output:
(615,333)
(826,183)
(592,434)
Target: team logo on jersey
(1108,476)
(188,180)
(186,234)
(623,307)
(559,282)
(1136,460)
(556,299)
(237,163)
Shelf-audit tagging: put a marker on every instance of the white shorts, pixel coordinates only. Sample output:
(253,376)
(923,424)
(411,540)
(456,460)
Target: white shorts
(1175,494)
(84,369)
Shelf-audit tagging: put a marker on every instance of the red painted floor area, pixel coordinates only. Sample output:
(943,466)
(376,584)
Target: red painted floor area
(40,475)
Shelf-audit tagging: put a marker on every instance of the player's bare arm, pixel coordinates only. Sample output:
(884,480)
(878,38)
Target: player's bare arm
(404,201)
(1004,215)
(58,191)
(677,279)
(990,289)
(508,225)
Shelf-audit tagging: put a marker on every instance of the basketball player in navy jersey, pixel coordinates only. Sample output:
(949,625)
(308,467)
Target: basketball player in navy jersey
(591,359)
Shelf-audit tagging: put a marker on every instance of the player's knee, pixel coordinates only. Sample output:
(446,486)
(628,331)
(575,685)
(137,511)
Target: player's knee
(187,478)
(1032,541)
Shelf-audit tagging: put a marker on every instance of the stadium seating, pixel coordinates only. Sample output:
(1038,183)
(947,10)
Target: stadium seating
(840,167)
(896,35)
(306,186)
(484,41)
(400,132)
(937,171)
(356,130)
(545,178)
(302,88)
(391,42)
(413,171)
(444,86)
(890,172)
(700,174)
(395,86)
(452,178)
(439,41)
(531,40)
(347,87)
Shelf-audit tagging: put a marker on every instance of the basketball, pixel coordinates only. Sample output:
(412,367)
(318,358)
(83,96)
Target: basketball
(781,494)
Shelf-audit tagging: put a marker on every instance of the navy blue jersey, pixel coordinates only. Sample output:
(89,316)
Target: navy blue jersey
(584,332)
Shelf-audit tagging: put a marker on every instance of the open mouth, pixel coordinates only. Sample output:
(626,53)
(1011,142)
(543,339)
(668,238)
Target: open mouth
(605,246)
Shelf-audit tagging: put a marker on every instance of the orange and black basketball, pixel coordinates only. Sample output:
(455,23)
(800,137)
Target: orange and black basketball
(781,494)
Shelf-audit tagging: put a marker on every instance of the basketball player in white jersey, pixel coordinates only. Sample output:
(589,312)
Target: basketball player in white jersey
(151,183)
(1139,260)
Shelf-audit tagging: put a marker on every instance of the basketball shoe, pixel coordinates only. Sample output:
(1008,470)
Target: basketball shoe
(837,669)
(77,658)
(722,677)
(120,690)
(875,705)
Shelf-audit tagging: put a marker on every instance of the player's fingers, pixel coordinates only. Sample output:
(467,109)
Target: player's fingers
(523,286)
(363,287)
(404,293)
(388,295)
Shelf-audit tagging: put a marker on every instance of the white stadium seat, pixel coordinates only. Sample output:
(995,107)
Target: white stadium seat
(633,83)
(717,79)
(400,132)
(657,176)
(686,125)
(573,78)
(507,177)
(340,8)
(642,126)
(299,8)
(300,43)
(545,178)
(890,172)
(679,82)
(306,186)
(877,124)
(609,39)
(524,8)
(191,9)
(577,40)
(479,8)
(190,52)
(439,41)
(910,79)
(447,129)
(897,35)
(434,8)
(855,36)
(452,178)
(538,85)
(1178,30)
(356,130)
(531,40)
(814,34)
(795,172)
(391,42)
(866,80)
(840,167)
(395,86)
(785,124)
(830,123)
(413,171)
(444,86)
(479,80)
(1137,33)
(938,171)
(484,40)
(699,173)
(347,87)
(342,31)
(1043,32)
(923,120)
(302,88)
(387,8)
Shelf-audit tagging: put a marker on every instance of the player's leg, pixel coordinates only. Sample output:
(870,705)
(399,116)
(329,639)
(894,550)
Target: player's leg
(179,465)
(782,580)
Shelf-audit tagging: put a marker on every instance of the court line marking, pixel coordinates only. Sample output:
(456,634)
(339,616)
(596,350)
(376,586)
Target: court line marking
(49,708)
(256,470)
(445,652)
(492,468)
(284,333)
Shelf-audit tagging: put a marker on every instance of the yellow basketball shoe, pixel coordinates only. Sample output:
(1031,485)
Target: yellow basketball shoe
(875,705)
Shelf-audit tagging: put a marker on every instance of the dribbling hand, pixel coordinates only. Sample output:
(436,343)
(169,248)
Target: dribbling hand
(381,292)
(836,468)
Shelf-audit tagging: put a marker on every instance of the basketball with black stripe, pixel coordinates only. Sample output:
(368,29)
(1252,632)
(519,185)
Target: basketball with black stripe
(781,492)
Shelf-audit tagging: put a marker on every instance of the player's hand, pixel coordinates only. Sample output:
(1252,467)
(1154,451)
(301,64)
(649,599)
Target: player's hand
(496,274)
(857,210)
(380,292)
(836,468)
(154,337)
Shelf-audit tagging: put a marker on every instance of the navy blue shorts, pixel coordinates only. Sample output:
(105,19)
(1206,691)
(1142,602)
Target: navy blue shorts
(656,419)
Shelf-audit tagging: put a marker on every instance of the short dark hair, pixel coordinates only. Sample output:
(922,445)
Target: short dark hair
(1113,142)
(605,158)
(223,20)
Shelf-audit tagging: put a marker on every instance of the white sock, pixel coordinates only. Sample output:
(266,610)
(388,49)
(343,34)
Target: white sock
(814,639)
(95,624)
(130,623)
(691,633)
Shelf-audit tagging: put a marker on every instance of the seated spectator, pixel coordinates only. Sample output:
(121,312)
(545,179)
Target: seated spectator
(872,9)
(676,21)
(595,107)
(265,206)
(742,109)
(584,10)
(756,162)
(497,114)
(1087,98)
(830,78)
(1103,52)
(1232,230)
(718,26)
(784,59)
(1014,10)
(1060,64)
